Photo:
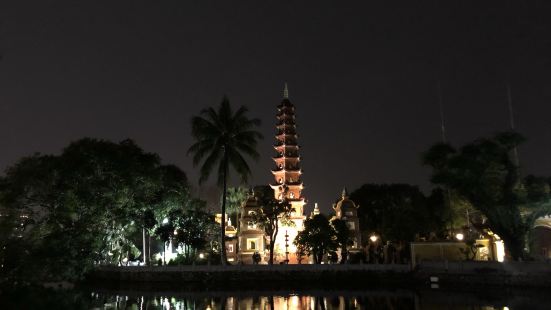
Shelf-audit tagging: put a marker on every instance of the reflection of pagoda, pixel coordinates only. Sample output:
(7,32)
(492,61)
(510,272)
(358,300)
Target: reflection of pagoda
(287,173)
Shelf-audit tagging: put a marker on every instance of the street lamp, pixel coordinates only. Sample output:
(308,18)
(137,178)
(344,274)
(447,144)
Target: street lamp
(373,238)
(459,236)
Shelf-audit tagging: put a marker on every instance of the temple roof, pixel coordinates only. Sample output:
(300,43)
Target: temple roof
(345,202)
(285,103)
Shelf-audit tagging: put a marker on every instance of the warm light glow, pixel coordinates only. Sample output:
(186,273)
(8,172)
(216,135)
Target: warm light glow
(201,255)
(373,238)
(459,236)
(500,251)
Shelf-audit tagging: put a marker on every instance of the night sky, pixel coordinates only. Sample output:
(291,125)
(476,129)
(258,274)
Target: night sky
(363,78)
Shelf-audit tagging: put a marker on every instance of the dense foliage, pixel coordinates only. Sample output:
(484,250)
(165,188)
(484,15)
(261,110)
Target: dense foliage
(484,173)
(317,239)
(86,206)
(272,213)
(342,237)
(400,212)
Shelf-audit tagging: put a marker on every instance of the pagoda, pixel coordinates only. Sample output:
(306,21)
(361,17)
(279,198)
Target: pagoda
(287,176)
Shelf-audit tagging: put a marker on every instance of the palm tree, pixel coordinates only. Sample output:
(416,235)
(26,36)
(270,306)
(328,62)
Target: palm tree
(236,196)
(222,138)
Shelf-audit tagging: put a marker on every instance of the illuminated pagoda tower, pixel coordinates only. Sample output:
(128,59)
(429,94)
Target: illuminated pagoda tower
(287,175)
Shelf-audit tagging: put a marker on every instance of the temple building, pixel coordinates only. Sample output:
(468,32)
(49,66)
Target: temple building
(288,178)
(347,210)
(287,186)
(541,238)
(251,238)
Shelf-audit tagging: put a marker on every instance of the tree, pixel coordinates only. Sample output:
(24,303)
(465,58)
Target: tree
(396,212)
(235,196)
(446,211)
(270,215)
(317,238)
(194,227)
(84,207)
(484,174)
(165,232)
(343,238)
(222,138)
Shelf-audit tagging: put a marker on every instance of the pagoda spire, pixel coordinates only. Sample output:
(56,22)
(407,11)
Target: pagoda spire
(344,192)
(287,172)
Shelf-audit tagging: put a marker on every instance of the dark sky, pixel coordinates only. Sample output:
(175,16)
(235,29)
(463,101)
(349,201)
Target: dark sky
(362,77)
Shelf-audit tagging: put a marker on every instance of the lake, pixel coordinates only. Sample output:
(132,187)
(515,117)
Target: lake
(424,298)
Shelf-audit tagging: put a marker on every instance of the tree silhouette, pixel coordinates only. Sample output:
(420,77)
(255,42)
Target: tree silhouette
(222,138)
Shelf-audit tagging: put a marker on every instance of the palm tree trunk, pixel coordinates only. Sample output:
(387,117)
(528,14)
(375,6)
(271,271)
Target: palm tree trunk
(148,248)
(238,223)
(223,222)
(145,254)
(271,262)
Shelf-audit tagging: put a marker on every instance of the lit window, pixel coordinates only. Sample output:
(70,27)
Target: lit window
(292,195)
(252,244)
(230,248)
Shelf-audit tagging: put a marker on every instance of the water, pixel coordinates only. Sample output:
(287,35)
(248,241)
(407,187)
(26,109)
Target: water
(429,299)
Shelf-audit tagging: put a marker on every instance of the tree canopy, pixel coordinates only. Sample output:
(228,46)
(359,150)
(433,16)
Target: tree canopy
(272,212)
(317,239)
(223,136)
(84,207)
(398,212)
(484,173)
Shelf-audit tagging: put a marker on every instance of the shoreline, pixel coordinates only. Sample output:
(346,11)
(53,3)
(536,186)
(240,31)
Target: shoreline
(260,277)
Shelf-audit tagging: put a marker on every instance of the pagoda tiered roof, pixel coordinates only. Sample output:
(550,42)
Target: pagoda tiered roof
(286,144)
(287,173)
(288,154)
(285,122)
(285,103)
(287,170)
(289,131)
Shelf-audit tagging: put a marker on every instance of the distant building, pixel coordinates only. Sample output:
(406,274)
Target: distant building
(251,238)
(541,238)
(347,210)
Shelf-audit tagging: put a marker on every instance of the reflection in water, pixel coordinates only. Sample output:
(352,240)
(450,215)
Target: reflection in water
(380,300)
(289,302)
(342,300)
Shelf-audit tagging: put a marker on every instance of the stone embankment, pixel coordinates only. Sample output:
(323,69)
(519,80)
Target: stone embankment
(485,274)
(435,274)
